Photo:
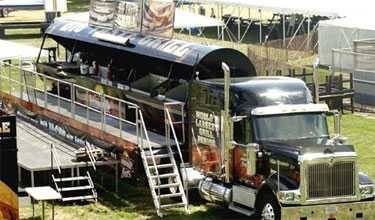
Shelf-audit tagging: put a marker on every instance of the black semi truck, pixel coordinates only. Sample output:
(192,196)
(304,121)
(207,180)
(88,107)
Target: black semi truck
(256,144)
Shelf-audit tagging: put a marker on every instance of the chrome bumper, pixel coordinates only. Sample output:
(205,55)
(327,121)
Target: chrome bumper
(339,211)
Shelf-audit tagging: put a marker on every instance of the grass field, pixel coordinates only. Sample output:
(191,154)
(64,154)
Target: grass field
(134,200)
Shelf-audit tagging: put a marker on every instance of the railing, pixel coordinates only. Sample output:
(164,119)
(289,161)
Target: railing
(170,126)
(55,158)
(143,136)
(107,113)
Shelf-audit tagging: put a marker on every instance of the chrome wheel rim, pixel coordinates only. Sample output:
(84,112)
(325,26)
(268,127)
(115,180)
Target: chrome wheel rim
(268,213)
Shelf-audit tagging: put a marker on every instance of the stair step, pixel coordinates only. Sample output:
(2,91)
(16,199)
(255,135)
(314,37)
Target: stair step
(75,198)
(164,175)
(170,195)
(166,185)
(168,165)
(66,179)
(159,156)
(172,205)
(241,210)
(74,188)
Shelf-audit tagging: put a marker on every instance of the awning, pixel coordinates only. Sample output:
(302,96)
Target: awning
(10,50)
(329,8)
(159,53)
(183,19)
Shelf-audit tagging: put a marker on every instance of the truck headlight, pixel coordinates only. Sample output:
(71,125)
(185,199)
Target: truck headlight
(367,191)
(289,196)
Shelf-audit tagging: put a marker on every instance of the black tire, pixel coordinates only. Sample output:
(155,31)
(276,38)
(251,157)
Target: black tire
(269,202)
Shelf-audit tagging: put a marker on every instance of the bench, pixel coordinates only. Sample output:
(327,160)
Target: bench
(21,25)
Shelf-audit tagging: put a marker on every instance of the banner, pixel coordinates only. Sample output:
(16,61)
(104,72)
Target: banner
(149,17)
(102,13)
(158,17)
(128,16)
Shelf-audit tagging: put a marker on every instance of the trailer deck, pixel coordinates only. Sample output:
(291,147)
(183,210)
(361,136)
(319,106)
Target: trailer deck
(34,153)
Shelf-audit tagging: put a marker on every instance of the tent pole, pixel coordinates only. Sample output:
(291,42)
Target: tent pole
(308,33)
(239,25)
(225,25)
(260,26)
(284,37)
(295,33)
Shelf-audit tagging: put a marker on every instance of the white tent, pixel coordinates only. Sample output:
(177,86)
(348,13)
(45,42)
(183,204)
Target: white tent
(340,33)
(10,50)
(183,19)
(329,8)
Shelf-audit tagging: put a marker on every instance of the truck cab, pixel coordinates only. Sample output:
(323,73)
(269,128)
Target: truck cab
(271,154)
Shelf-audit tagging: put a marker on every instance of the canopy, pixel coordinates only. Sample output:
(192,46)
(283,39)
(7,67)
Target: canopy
(329,8)
(22,4)
(149,53)
(11,50)
(183,19)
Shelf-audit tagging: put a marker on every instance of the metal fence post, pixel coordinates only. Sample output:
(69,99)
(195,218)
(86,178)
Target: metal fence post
(58,96)
(45,91)
(87,106)
(73,100)
(103,118)
(120,116)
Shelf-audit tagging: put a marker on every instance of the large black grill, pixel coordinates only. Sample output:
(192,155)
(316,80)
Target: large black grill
(331,180)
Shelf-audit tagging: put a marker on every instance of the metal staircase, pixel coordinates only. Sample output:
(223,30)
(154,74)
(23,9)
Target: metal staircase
(162,172)
(73,188)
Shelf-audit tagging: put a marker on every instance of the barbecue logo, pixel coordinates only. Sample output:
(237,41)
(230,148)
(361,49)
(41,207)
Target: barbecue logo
(5,127)
(8,203)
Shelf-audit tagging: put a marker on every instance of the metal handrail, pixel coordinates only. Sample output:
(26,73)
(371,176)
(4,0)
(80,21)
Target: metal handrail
(24,85)
(91,156)
(144,130)
(55,158)
(171,126)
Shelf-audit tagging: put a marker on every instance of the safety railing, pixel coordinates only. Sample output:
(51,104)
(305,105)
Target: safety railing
(110,114)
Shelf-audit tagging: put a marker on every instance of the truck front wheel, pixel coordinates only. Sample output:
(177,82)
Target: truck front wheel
(268,208)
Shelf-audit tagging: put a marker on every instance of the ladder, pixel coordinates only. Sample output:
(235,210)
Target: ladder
(72,188)
(162,172)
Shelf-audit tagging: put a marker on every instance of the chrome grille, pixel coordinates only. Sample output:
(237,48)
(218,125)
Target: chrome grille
(331,180)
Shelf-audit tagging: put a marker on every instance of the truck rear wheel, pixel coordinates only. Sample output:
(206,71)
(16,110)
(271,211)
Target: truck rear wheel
(267,208)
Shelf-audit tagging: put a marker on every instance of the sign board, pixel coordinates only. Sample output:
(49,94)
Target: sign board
(128,16)
(102,13)
(8,169)
(158,17)
(148,17)
(206,124)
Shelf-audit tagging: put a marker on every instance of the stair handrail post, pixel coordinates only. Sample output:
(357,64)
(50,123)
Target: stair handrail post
(144,131)
(171,127)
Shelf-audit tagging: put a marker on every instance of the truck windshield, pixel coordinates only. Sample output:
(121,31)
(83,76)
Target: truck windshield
(291,127)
